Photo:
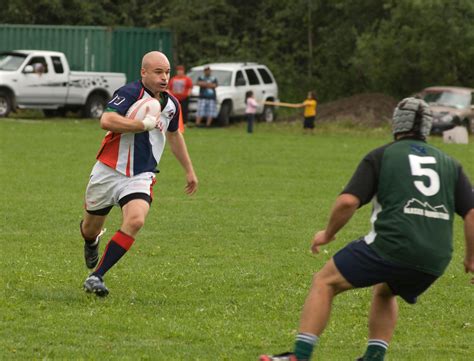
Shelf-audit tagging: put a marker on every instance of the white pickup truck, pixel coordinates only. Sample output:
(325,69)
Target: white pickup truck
(35,79)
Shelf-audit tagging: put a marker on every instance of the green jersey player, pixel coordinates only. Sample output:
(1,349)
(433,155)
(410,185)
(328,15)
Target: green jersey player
(415,189)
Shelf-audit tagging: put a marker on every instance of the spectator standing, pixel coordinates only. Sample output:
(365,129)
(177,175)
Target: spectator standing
(207,97)
(250,110)
(310,106)
(181,86)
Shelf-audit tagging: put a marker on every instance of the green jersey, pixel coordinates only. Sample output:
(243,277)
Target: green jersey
(415,189)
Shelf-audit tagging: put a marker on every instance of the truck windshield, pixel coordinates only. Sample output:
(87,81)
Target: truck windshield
(223,76)
(448,99)
(11,61)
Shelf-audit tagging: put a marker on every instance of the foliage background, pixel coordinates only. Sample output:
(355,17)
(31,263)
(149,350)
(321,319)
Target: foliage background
(337,47)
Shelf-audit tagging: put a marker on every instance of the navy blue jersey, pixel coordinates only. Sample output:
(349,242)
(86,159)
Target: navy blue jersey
(134,153)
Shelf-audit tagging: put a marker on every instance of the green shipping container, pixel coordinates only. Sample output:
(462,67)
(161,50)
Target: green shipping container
(90,48)
(129,45)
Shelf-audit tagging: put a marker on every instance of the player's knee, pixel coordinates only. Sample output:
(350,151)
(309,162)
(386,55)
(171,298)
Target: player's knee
(330,282)
(320,281)
(135,223)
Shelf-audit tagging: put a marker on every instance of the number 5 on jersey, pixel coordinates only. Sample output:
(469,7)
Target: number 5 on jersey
(416,165)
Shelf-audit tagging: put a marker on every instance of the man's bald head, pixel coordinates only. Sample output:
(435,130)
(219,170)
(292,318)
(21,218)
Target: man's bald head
(153,58)
(155,71)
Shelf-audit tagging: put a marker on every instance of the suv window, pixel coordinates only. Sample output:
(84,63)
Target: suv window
(240,79)
(253,79)
(267,79)
(57,64)
(223,76)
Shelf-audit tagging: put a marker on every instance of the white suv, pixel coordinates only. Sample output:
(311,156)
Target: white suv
(234,80)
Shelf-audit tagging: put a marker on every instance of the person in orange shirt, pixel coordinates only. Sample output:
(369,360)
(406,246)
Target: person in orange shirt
(180,86)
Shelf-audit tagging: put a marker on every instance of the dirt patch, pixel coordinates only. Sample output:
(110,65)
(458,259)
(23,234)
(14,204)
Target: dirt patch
(367,108)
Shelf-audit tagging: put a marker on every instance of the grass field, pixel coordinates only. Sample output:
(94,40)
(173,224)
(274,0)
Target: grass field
(218,276)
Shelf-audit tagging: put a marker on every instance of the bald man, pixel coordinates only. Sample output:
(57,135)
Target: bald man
(124,174)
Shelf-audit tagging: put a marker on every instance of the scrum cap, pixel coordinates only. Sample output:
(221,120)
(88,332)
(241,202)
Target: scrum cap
(412,115)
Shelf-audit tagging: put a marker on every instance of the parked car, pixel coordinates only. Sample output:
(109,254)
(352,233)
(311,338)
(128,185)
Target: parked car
(36,79)
(234,80)
(451,106)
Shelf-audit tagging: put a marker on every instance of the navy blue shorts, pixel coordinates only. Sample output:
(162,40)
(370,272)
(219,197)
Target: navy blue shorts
(363,267)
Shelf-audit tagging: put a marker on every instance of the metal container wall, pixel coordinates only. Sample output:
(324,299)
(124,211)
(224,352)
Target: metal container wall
(129,45)
(90,48)
(86,47)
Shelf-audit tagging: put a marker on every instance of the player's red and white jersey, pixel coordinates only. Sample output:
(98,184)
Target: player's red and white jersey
(135,153)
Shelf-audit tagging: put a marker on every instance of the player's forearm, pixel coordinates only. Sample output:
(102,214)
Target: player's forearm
(119,124)
(342,211)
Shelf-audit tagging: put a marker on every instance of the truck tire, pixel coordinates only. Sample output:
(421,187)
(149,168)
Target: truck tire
(467,123)
(5,104)
(94,107)
(269,114)
(224,114)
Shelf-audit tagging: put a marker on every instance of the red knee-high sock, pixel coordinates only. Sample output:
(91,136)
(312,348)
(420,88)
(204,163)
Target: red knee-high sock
(116,248)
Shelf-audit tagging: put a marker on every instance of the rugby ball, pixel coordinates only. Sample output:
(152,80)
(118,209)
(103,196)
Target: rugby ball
(142,107)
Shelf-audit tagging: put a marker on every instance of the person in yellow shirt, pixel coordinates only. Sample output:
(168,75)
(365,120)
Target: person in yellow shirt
(310,106)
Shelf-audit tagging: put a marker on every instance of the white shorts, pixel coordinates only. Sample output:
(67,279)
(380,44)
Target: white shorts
(108,188)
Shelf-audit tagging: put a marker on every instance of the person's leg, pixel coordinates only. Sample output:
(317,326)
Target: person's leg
(91,231)
(311,126)
(91,225)
(134,214)
(210,111)
(327,283)
(382,321)
(306,125)
(200,109)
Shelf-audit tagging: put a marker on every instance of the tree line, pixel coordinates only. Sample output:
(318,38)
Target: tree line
(337,47)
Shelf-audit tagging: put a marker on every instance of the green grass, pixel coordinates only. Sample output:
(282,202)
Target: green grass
(218,276)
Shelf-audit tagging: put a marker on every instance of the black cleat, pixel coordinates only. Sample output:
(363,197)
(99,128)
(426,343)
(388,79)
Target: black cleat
(95,284)
(91,251)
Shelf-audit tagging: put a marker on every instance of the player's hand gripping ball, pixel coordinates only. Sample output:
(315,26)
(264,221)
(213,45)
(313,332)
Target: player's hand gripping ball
(146,110)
